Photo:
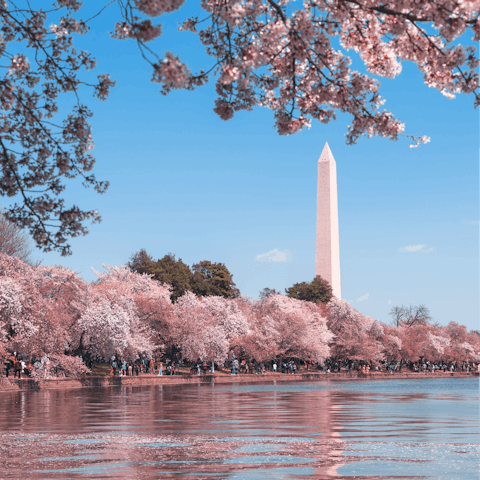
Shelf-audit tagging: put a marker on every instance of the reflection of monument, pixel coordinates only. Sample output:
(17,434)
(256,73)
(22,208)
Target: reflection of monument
(328,241)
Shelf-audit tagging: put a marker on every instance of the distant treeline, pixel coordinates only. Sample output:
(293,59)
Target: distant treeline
(51,313)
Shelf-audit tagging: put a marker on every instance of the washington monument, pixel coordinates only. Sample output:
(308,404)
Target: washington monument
(328,240)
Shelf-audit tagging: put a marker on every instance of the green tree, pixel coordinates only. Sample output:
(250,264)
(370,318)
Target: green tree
(213,279)
(167,270)
(317,291)
(140,261)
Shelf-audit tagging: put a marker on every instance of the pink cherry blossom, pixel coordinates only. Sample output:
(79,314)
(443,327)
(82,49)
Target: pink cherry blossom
(292,59)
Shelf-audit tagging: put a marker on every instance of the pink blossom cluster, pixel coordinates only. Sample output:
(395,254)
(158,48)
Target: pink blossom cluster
(40,148)
(273,54)
(19,65)
(171,72)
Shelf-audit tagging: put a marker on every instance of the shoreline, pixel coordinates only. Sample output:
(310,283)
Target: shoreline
(18,385)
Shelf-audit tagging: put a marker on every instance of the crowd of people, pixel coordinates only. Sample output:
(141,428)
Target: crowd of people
(22,365)
(422,365)
(237,366)
(143,365)
(34,365)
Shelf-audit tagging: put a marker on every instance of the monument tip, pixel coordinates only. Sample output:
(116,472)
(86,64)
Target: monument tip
(327,154)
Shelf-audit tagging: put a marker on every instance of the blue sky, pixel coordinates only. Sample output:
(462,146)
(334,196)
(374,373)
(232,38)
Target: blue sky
(186,182)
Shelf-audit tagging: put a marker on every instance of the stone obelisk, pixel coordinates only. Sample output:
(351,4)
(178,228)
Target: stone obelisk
(328,240)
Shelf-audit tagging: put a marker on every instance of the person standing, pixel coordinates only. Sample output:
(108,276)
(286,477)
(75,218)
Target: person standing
(151,366)
(17,366)
(160,369)
(274,367)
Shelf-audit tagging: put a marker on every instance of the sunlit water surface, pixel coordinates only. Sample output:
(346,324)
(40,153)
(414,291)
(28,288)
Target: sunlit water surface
(380,429)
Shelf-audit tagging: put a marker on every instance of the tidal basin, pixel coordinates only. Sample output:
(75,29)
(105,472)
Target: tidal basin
(426,428)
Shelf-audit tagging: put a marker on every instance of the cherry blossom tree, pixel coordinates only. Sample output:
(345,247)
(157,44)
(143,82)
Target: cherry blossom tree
(356,336)
(461,345)
(228,315)
(287,327)
(40,150)
(37,312)
(198,332)
(120,312)
(392,343)
(295,59)
(62,287)
(284,55)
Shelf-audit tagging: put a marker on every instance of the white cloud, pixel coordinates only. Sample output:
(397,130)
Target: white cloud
(274,255)
(363,297)
(417,248)
(389,302)
(411,248)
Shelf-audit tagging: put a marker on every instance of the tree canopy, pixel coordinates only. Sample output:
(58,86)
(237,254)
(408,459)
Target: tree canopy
(410,316)
(213,279)
(292,58)
(167,270)
(140,261)
(204,279)
(316,291)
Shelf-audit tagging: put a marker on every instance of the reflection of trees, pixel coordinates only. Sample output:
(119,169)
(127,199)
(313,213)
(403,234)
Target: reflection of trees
(258,414)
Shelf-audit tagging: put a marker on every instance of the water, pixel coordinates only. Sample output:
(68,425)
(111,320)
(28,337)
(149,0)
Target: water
(379,429)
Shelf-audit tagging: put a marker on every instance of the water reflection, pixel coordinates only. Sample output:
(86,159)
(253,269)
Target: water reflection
(329,430)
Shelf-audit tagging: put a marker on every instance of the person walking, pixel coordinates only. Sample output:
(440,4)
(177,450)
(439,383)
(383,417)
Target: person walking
(160,369)
(274,367)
